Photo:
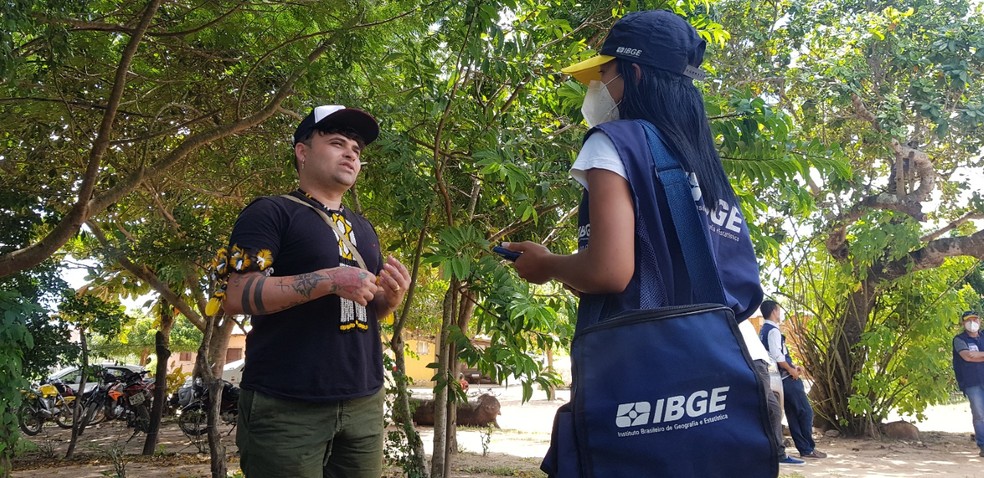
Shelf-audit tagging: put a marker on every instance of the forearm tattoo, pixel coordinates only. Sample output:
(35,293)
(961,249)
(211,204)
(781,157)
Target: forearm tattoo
(258,296)
(246,293)
(304,284)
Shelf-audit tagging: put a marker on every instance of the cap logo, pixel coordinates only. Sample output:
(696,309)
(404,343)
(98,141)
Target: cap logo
(624,50)
(694,72)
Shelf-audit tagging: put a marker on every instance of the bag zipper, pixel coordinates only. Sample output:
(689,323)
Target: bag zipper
(633,316)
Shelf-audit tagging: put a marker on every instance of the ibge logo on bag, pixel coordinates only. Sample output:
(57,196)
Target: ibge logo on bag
(700,407)
(632,414)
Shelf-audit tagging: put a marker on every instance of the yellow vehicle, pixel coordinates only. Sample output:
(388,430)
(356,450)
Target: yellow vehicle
(44,403)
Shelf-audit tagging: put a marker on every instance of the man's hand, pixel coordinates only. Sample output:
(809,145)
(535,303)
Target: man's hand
(793,372)
(352,283)
(393,282)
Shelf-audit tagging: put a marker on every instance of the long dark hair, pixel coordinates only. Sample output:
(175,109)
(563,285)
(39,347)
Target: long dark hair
(675,106)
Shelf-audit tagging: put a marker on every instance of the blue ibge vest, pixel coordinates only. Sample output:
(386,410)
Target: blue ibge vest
(658,389)
(764,337)
(660,278)
(968,374)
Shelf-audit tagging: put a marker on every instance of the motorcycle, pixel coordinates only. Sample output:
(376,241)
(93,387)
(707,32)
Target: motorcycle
(65,402)
(97,404)
(130,400)
(41,404)
(193,418)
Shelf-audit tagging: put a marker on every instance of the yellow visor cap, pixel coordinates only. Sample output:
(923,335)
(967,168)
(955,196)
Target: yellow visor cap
(588,70)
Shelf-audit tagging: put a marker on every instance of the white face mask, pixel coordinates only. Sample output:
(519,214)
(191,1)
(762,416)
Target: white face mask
(599,106)
(972,326)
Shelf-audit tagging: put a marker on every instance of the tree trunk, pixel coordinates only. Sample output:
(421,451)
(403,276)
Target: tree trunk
(450,428)
(440,461)
(417,466)
(551,390)
(206,371)
(219,344)
(216,448)
(834,385)
(80,403)
(466,305)
(162,343)
(402,413)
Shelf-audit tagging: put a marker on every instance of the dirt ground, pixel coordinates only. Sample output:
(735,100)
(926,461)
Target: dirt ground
(945,449)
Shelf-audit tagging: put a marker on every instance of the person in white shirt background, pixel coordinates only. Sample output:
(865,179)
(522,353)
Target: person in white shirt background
(768,373)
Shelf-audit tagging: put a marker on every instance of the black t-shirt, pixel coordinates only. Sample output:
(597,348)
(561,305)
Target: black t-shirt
(327,349)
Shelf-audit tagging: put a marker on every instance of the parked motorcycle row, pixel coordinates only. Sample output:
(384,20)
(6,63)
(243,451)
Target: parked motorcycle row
(128,397)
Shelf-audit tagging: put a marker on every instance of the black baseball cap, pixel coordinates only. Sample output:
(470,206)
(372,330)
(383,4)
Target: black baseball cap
(338,115)
(657,38)
(968,314)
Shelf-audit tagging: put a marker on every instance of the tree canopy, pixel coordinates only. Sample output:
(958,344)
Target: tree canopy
(134,132)
(889,92)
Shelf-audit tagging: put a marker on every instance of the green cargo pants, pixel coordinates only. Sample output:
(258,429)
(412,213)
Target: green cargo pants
(284,438)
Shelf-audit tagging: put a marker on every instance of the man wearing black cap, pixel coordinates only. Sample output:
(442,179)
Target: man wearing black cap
(310,274)
(968,366)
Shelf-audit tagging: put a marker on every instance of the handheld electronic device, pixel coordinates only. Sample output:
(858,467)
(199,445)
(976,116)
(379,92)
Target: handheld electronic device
(506,253)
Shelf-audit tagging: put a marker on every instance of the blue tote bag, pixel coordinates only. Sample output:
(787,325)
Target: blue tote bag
(680,397)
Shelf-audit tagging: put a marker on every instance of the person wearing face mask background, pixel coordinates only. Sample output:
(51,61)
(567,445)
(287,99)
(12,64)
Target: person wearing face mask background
(645,71)
(968,366)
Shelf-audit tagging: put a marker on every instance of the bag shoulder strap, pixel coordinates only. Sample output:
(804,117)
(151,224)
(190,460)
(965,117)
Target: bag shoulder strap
(691,231)
(334,227)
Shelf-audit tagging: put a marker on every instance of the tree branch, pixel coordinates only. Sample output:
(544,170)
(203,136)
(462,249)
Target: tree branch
(81,211)
(510,228)
(90,204)
(909,163)
(932,255)
(952,225)
(145,274)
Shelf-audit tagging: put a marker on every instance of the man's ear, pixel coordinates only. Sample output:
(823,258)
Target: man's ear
(299,156)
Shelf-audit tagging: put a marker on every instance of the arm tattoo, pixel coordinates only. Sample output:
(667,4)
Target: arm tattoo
(305,283)
(246,293)
(258,295)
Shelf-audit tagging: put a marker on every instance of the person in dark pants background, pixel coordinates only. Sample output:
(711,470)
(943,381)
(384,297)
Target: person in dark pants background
(763,366)
(968,366)
(799,412)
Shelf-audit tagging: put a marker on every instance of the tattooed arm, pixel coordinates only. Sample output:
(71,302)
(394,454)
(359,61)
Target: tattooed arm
(253,293)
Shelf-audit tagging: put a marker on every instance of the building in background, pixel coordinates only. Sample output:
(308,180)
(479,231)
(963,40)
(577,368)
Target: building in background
(185,361)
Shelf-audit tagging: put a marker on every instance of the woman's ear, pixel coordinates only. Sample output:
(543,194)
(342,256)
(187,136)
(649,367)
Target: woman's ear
(638,73)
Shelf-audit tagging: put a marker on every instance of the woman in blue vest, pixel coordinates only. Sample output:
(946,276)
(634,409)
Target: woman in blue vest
(629,257)
(645,70)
